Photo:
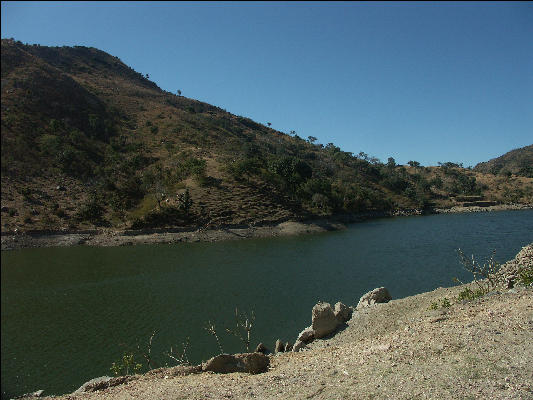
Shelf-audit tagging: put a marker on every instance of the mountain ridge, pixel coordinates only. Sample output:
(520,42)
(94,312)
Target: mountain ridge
(517,161)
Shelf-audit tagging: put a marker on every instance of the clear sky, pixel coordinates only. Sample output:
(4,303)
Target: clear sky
(416,81)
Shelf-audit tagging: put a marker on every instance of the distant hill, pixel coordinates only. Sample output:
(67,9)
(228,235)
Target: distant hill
(87,141)
(518,162)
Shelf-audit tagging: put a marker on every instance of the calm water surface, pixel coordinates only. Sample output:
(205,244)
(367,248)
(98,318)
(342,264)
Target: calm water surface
(69,313)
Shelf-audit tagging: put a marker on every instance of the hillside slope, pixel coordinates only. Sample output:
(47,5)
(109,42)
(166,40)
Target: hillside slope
(89,142)
(518,162)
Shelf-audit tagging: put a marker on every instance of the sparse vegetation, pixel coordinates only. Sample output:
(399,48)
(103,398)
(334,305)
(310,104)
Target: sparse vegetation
(485,276)
(126,365)
(442,303)
(525,276)
(212,330)
(115,133)
(243,328)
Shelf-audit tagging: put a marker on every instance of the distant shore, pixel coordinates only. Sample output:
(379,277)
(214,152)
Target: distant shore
(109,237)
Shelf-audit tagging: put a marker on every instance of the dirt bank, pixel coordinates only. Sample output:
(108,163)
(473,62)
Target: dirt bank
(126,238)
(109,237)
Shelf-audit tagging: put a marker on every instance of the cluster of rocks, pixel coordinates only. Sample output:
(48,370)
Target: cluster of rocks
(252,363)
(509,272)
(325,320)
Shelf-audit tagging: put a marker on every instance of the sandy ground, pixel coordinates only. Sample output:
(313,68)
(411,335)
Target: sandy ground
(482,349)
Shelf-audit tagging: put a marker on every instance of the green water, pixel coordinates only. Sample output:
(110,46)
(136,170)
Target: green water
(68,313)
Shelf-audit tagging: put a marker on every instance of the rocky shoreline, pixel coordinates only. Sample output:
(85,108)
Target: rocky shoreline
(109,237)
(480,348)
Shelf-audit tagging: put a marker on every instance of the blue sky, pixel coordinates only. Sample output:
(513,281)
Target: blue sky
(416,81)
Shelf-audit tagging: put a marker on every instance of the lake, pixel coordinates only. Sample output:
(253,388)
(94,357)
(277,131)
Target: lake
(69,313)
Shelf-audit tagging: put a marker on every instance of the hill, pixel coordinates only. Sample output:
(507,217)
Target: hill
(89,142)
(518,162)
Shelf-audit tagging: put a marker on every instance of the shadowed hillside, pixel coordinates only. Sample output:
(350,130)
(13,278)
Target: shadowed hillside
(88,142)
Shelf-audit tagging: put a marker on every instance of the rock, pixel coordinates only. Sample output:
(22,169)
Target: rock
(323,320)
(342,312)
(252,363)
(307,335)
(261,348)
(288,347)
(279,347)
(101,382)
(37,393)
(298,346)
(379,295)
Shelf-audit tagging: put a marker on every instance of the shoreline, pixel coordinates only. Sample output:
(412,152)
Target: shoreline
(108,238)
(405,341)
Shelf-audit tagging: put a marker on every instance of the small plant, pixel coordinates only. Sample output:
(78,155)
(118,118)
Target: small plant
(243,328)
(443,303)
(469,294)
(125,364)
(211,329)
(181,359)
(485,279)
(525,276)
(148,354)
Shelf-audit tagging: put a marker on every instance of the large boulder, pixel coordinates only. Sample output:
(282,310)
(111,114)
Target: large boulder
(252,363)
(279,347)
(307,335)
(342,312)
(95,384)
(379,295)
(298,346)
(261,348)
(323,320)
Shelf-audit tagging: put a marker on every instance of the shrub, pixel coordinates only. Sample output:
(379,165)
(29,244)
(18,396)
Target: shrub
(125,364)
(243,328)
(185,202)
(443,303)
(525,276)
(485,279)
(469,294)
(92,211)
